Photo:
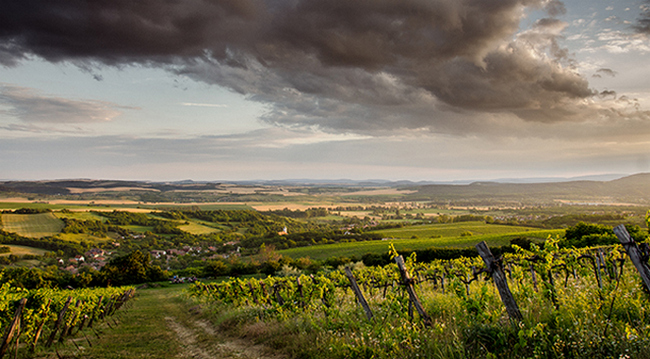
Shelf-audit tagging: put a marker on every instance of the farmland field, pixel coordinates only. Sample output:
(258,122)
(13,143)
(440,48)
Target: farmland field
(82,237)
(321,252)
(196,228)
(22,250)
(83,216)
(32,225)
(449,230)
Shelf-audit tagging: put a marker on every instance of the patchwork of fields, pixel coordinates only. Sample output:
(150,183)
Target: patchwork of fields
(410,237)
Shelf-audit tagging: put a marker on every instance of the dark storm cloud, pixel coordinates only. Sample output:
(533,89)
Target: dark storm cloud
(344,65)
(120,31)
(367,34)
(643,22)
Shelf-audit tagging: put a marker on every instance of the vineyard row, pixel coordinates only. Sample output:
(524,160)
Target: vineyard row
(47,316)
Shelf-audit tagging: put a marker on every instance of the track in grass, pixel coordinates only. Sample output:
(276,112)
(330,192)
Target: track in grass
(163,323)
(32,225)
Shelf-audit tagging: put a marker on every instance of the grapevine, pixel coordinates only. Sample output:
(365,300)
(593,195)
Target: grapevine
(49,315)
(594,293)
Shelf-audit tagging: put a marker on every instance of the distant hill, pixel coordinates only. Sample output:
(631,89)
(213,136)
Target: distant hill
(66,187)
(631,189)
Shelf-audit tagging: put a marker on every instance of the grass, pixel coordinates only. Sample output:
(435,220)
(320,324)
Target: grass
(197,228)
(30,263)
(79,237)
(142,330)
(32,225)
(321,252)
(18,205)
(585,321)
(83,216)
(449,230)
(22,250)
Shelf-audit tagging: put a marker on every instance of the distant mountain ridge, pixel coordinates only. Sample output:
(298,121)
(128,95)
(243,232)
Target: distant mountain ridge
(632,189)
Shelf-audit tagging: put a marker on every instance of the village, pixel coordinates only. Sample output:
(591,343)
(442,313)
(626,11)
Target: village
(97,258)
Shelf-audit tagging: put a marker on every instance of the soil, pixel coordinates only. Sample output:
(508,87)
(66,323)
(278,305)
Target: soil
(218,347)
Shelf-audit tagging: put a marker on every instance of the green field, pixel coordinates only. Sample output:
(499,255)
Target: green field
(32,225)
(82,216)
(197,228)
(82,237)
(449,230)
(22,250)
(322,252)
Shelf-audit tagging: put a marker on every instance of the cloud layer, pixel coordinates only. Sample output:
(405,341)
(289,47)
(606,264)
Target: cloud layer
(34,109)
(342,66)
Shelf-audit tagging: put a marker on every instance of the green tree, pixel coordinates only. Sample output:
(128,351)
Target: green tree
(132,268)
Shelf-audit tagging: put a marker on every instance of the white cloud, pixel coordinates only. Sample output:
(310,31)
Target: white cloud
(203,104)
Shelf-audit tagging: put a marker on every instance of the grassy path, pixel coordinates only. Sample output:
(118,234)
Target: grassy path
(159,323)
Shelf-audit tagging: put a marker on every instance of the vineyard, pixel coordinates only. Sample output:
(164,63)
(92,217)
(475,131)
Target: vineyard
(545,302)
(36,319)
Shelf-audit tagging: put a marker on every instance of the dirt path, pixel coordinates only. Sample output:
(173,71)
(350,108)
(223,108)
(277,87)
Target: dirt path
(201,340)
(216,346)
(161,323)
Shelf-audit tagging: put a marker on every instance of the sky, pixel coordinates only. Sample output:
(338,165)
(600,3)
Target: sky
(434,90)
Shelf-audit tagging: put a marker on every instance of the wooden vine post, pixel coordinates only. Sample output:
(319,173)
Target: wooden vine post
(357,292)
(635,254)
(250,287)
(93,315)
(13,327)
(413,297)
(500,281)
(66,327)
(59,321)
(300,293)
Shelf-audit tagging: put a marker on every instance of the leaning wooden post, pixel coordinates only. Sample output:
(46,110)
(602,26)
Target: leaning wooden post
(276,292)
(634,253)
(500,281)
(58,322)
(13,327)
(97,307)
(357,292)
(250,287)
(67,328)
(413,297)
(302,299)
